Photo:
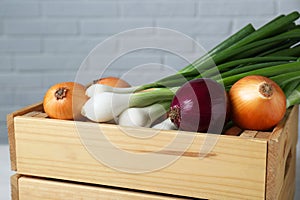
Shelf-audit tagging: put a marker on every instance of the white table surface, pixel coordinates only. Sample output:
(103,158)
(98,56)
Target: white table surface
(5,173)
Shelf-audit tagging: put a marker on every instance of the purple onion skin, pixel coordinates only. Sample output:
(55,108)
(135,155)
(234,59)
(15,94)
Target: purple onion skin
(200,105)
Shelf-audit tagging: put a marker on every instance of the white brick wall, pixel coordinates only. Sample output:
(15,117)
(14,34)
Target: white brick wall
(1,27)
(15,9)
(11,45)
(200,27)
(158,8)
(236,8)
(46,62)
(112,26)
(33,27)
(6,64)
(44,41)
(80,9)
(69,44)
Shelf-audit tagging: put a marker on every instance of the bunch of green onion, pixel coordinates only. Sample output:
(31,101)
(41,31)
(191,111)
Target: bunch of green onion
(272,51)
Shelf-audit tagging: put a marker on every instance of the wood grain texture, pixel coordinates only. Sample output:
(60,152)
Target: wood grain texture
(11,131)
(234,169)
(14,184)
(281,158)
(37,189)
(249,134)
(234,130)
(256,165)
(288,188)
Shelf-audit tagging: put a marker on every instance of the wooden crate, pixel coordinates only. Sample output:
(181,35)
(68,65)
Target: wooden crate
(254,165)
(33,188)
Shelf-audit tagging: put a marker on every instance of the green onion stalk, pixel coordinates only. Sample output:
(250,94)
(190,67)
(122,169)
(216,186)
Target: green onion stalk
(294,97)
(272,51)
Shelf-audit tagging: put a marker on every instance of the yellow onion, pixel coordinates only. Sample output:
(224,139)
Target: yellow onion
(257,103)
(65,100)
(113,82)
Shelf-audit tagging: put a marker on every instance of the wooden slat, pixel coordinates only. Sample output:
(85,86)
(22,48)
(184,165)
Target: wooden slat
(11,131)
(37,189)
(282,142)
(234,169)
(31,114)
(234,130)
(14,185)
(288,188)
(41,115)
(249,134)
(263,135)
(36,114)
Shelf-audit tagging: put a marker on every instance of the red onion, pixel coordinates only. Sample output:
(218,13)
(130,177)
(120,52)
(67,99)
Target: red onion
(200,105)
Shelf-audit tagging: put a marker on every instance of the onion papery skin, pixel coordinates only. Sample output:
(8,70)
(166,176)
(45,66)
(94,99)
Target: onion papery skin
(113,82)
(253,109)
(65,100)
(200,105)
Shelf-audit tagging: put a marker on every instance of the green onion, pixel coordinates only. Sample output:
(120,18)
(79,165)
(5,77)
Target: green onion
(272,51)
(290,87)
(229,53)
(287,77)
(294,97)
(141,99)
(245,31)
(284,70)
(281,47)
(231,64)
(294,51)
(273,27)
(247,68)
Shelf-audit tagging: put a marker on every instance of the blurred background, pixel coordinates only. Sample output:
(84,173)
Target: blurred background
(43,42)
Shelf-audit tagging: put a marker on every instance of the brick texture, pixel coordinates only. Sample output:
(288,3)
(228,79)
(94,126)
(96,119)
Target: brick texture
(237,8)
(194,27)
(1,27)
(162,42)
(288,5)
(80,9)
(20,45)
(43,42)
(112,26)
(158,9)
(241,22)
(16,80)
(50,62)
(72,45)
(6,63)
(40,27)
(19,9)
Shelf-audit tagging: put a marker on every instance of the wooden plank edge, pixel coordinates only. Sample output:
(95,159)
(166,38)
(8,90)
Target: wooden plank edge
(279,145)
(11,130)
(287,191)
(142,194)
(280,126)
(271,135)
(14,185)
